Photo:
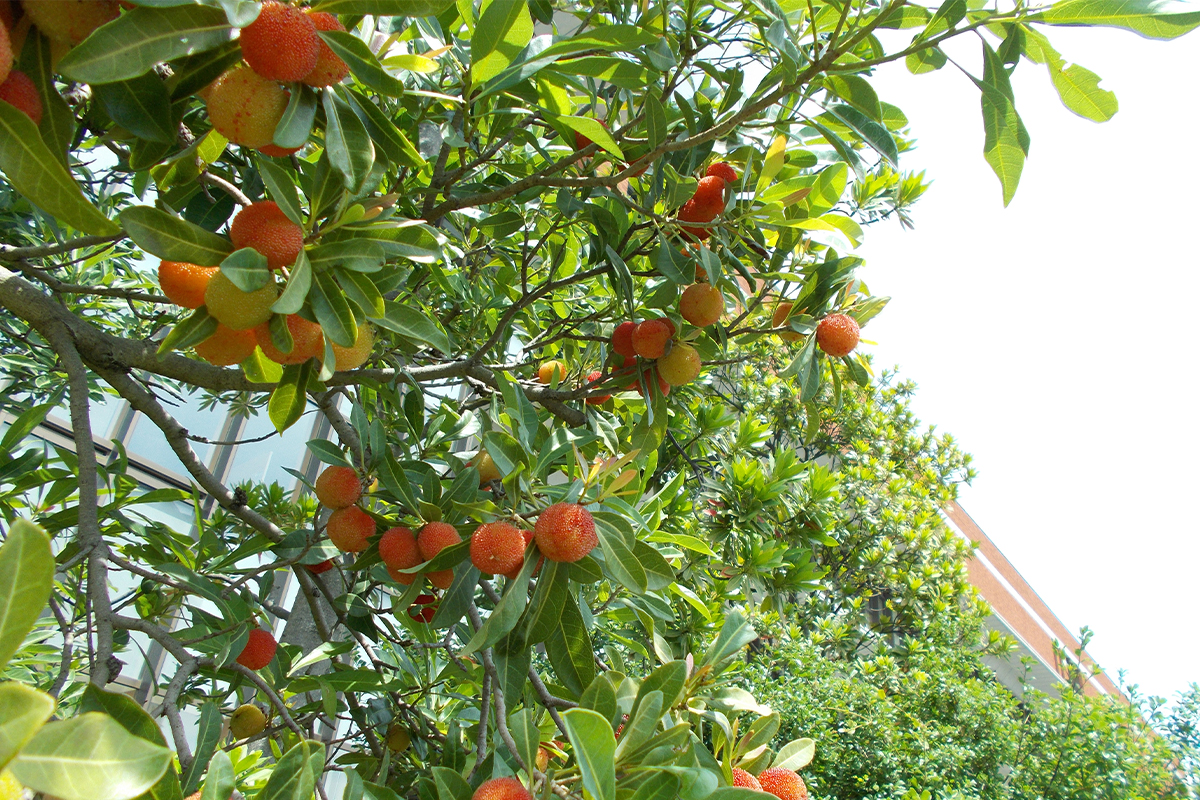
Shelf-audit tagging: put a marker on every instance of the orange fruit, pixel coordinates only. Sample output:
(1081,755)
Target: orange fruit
(346,358)
(779,319)
(245,107)
(184,283)
(281,44)
(19,91)
(565,532)
(227,347)
(338,487)
(837,335)
(329,69)
(70,21)
(701,304)
(349,529)
(265,228)
(259,650)
(547,371)
(307,341)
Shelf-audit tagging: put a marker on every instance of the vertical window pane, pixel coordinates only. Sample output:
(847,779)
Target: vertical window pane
(265,461)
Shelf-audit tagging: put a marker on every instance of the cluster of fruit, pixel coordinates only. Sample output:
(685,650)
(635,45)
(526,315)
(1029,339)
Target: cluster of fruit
(243,318)
(675,361)
(246,103)
(783,783)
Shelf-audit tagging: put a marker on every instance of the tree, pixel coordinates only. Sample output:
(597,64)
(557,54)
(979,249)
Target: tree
(422,209)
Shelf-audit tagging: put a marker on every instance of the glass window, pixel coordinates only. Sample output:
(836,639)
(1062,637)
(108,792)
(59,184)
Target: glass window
(265,460)
(148,442)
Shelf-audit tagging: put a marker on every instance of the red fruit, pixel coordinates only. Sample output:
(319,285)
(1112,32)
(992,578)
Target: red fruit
(837,335)
(622,339)
(650,337)
(502,789)
(281,44)
(398,549)
(184,283)
(515,572)
(723,171)
(317,569)
(423,614)
(497,548)
(276,151)
(307,341)
(565,532)
(653,376)
(349,528)
(259,650)
(783,783)
(329,68)
(227,347)
(701,304)
(338,487)
(582,141)
(435,537)
(264,227)
(710,196)
(745,779)
(18,91)
(596,399)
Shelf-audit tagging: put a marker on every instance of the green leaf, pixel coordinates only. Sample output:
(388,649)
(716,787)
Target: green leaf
(450,785)
(412,324)
(857,92)
(927,60)
(133,718)
(208,735)
(362,62)
(643,721)
(875,135)
(142,37)
(387,137)
(1006,142)
(142,105)
(656,120)
(385,8)
(295,125)
(287,402)
(503,30)
(332,310)
(189,331)
(570,650)
(40,176)
(507,612)
(362,292)
(735,634)
(220,783)
(293,778)
(673,264)
(545,607)
(592,740)
(592,129)
(619,561)
(26,579)
(58,121)
(949,14)
(346,142)
(172,238)
(22,426)
(296,291)
(1153,19)
(524,729)
(90,757)
(795,755)
(23,711)
(1077,87)
(246,269)
(280,187)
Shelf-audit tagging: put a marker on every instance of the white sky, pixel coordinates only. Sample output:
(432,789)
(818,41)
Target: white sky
(1053,338)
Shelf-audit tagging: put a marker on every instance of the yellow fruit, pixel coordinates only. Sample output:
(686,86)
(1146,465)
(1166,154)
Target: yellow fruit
(9,788)
(70,21)
(236,309)
(398,739)
(245,107)
(247,721)
(547,372)
(679,366)
(779,319)
(488,471)
(354,357)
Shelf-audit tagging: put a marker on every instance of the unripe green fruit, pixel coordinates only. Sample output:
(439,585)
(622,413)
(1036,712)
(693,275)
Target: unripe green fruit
(248,720)
(398,739)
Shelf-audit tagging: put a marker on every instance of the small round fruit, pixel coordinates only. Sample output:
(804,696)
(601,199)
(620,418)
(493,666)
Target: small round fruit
(349,529)
(681,365)
(701,304)
(184,283)
(596,399)
(565,532)
(353,357)
(264,227)
(502,789)
(547,372)
(497,548)
(622,339)
(245,107)
(779,320)
(398,739)
(488,471)
(398,549)
(435,537)
(19,91)
(424,614)
(321,568)
(227,347)
(650,337)
(248,720)
(237,309)
(442,578)
(722,171)
(70,21)
(275,151)
(515,572)
(307,341)
(281,44)
(330,69)
(6,53)
(837,335)
(338,487)
(783,783)
(582,141)
(259,650)
(745,780)
(542,760)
